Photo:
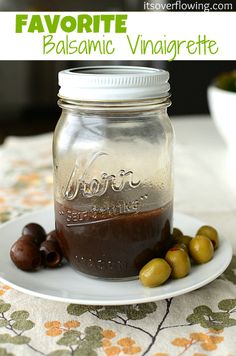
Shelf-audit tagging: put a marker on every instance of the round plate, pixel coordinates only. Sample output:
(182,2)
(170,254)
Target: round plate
(66,285)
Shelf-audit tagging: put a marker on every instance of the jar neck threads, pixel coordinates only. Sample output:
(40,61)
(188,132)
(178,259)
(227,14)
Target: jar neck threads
(113,106)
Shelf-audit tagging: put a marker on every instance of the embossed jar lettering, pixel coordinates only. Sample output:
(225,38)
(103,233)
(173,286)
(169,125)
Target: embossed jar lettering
(97,187)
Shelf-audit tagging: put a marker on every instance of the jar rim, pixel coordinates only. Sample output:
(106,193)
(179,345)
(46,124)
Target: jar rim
(113,83)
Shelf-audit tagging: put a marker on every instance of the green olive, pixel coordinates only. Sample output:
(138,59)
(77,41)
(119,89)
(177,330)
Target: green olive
(181,246)
(176,233)
(184,239)
(201,249)
(211,233)
(179,261)
(155,272)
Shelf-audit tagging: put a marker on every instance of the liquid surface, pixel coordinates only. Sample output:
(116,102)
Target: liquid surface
(115,247)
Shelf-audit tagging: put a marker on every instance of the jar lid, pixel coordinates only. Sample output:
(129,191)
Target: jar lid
(113,83)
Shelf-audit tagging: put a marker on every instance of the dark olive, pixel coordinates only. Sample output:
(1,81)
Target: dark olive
(36,231)
(52,236)
(179,262)
(25,255)
(28,238)
(51,253)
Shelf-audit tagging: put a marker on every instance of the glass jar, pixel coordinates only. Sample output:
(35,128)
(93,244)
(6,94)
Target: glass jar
(113,176)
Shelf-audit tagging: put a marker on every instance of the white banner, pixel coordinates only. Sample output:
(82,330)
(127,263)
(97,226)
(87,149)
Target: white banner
(117,36)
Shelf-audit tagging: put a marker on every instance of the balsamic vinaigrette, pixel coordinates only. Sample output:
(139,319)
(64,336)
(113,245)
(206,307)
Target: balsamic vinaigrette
(115,247)
(113,176)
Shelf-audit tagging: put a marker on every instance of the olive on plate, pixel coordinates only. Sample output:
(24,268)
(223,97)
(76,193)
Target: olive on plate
(36,232)
(179,262)
(51,253)
(25,255)
(211,233)
(155,272)
(201,249)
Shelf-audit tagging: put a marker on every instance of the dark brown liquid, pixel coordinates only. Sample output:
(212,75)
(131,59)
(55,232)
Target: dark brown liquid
(116,247)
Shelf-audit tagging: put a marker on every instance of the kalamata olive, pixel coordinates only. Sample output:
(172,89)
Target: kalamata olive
(211,233)
(179,262)
(51,254)
(155,272)
(201,249)
(25,255)
(27,238)
(176,233)
(36,231)
(52,236)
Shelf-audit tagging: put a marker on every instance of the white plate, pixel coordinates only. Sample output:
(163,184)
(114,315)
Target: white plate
(66,285)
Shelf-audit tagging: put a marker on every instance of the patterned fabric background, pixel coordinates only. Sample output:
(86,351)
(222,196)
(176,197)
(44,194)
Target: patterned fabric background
(200,323)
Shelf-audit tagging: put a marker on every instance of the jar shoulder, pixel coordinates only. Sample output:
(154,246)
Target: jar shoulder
(97,127)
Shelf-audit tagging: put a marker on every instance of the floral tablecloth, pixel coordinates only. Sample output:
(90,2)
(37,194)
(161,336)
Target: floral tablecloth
(196,324)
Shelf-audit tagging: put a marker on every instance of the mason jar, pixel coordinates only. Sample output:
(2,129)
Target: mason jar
(113,178)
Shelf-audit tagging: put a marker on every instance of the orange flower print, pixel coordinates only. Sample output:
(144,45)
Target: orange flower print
(127,341)
(216,339)
(29,178)
(106,343)
(125,345)
(54,332)
(52,324)
(112,351)
(131,350)
(71,324)
(128,346)
(160,354)
(199,337)
(108,334)
(181,342)
(208,346)
(55,327)
(206,341)
(31,200)
(4,289)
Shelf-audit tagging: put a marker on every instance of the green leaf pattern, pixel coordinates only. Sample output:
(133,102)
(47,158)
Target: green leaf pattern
(204,316)
(230,272)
